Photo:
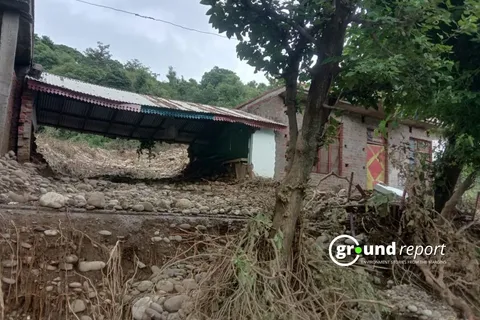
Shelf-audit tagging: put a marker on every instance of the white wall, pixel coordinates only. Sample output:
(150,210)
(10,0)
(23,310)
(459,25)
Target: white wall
(262,153)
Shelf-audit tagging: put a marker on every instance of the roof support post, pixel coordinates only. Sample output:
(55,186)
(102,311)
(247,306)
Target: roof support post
(159,128)
(62,110)
(112,118)
(89,112)
(137,125)
(8,45)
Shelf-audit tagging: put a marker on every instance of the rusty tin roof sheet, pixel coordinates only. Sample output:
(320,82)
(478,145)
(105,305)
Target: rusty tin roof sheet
(115,98)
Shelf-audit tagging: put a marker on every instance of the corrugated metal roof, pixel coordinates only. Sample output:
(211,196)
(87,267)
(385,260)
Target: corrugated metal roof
(92,89)
(143,103)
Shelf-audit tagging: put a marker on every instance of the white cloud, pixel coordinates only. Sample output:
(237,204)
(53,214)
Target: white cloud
(156,44)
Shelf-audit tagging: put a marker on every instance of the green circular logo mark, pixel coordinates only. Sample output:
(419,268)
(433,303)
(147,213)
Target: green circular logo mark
(358,250)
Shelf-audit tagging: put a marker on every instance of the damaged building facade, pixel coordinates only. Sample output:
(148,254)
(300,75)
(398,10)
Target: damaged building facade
(16,52)
(356,148)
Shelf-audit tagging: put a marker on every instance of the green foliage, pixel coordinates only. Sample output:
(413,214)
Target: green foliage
(148,145)
(91,140)
(419,60)
(218,87)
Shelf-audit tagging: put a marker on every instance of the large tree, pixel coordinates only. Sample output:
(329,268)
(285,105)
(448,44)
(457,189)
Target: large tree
(289,40)
(395,55)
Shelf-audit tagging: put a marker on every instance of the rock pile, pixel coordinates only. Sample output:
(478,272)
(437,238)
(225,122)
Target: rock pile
(167,294)
(411,302)
(22,184)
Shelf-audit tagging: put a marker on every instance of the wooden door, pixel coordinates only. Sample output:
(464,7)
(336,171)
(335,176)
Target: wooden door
(375,164)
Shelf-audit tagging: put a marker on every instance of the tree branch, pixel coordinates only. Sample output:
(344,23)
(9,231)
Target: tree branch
(275,15)
(448,209)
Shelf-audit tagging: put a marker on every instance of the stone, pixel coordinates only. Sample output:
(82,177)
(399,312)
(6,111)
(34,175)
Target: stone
(349,241)
(155,269)
(145,285)
(201,228)
(141,265)
(177,238)
(75,285)
(173,304)
(163,204)
(71,258)
(26,245)
(138,207)
(156,239)
(179,288)
(49,288)
(427,312)
(96,199)
(105,233)
(412,308)
(165,286)
(52,200)
(9,263)
(147,206)
(139,307)
(152,314)
(65,266)
(185,226)
(85,266)
(8,281)
(183,204)
(85,317)
(79,201)
(78,305)
(155,306)
(189,284)
(166,240)
(16,197)
(51,233)
(84,186)
(173,316)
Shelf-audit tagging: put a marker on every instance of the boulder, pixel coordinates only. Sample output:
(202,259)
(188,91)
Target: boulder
(96,199)
(52,200)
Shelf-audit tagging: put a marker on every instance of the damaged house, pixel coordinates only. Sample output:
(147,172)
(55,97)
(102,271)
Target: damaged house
(356,148)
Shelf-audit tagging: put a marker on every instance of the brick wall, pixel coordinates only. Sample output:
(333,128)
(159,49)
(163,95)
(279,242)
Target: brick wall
(353,148)
(19,81)
(274,109)
(25,130)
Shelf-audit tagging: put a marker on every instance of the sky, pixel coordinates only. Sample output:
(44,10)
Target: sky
(155,44)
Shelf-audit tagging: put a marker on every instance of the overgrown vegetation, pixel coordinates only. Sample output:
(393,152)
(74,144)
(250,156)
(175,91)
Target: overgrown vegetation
(218,87)
(413,58)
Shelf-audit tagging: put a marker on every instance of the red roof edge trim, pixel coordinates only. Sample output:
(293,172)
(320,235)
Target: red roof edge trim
(37,86)
(251,123)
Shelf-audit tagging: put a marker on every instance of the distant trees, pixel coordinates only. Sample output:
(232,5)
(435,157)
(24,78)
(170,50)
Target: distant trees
(218,87)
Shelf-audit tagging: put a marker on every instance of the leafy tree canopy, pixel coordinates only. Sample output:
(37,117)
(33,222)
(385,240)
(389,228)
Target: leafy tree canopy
(218,87)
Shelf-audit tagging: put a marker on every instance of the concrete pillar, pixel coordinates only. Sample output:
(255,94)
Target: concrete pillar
(8,47)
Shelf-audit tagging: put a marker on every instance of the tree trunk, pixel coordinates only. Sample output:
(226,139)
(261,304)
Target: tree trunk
(446,175)
(289,198)
(291,104)
(448,211)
